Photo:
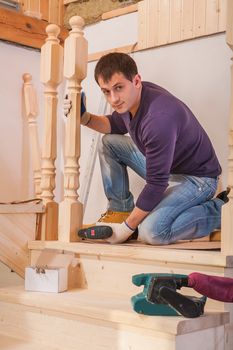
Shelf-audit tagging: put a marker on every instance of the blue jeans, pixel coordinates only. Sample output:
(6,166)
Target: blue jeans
(186,211)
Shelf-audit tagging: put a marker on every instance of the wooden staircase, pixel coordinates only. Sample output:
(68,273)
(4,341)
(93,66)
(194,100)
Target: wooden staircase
(96,311)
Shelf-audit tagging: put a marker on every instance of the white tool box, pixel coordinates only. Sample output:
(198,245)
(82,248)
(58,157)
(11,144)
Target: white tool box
(46,279)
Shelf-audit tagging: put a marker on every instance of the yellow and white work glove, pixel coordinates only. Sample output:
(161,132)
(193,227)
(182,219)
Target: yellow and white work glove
(67,105)
(120,232)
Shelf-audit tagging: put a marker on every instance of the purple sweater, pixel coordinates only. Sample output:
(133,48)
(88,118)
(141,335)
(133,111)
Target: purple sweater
(172,140)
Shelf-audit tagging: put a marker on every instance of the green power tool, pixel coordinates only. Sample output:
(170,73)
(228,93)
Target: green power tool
(160,296)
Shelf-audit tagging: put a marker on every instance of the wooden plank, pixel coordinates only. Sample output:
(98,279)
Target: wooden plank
(94,271)
(21,208)
(195,245)
(100,306)
(148,19)
(187,19)
(12,343)
(32,8)
(194,21)
(211,16)
(119,12)
(176,15)
(143,253)
(222,15)
(141,24)
(55,12)
(125,49)
(164,22)
(199,17)
(151,22)
(24,30)
(67,2)
(44,9)
(9,278)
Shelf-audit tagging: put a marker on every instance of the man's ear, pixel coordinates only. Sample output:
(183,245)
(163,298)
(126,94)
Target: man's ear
(137,81)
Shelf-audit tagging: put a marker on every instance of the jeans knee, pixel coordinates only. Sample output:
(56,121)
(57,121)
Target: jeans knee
(110,144)
(154,235)
(106,139)
(104,142)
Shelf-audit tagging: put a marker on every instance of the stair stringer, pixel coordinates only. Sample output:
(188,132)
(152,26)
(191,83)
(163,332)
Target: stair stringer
(18,226)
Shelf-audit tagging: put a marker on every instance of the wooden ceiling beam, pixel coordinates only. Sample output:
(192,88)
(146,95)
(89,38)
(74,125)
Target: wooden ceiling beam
(24,30)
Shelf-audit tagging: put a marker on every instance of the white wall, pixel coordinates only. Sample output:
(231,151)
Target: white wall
(14,61)
(16,171)
(196,71)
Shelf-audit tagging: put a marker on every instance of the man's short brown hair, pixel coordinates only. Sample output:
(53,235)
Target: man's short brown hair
(116,62)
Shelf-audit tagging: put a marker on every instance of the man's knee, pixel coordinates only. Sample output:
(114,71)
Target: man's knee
(154,235)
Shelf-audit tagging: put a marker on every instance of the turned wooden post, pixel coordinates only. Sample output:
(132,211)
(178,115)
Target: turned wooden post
(75,66)
(31,112)
(51,77)
(227,209)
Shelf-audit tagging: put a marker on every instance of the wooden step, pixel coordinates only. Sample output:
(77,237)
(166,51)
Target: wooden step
(85,319)
(11,343)
(94,265)
(8,277)
(104,268)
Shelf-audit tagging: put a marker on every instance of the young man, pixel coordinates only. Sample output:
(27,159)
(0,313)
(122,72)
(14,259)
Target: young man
(166,144)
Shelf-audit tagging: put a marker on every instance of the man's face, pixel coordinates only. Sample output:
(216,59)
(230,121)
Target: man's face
(122,94)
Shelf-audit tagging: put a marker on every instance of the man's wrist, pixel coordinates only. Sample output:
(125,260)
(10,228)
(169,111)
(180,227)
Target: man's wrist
(126,224)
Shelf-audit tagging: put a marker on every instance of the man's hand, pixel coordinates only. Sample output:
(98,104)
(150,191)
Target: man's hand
(121,232)
(67,105)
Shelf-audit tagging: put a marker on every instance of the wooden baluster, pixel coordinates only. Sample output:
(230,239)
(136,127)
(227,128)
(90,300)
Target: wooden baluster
(227,209)
(31,112)
(75,66)
(51,77)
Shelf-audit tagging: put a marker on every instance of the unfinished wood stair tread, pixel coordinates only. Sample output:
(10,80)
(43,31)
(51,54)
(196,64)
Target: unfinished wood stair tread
(106,307)
(139,252)
(10,343)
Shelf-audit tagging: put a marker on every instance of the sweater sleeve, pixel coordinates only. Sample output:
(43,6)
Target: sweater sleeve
(159,138)
(117,124)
